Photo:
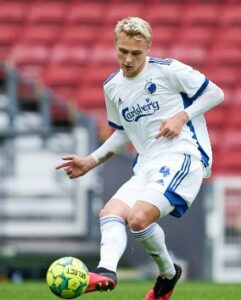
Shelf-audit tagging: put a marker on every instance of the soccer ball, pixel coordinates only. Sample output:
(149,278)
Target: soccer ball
(68,277)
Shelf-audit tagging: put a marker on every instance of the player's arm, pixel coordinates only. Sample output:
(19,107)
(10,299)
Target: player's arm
(211,97)
(113,145)
(76,166)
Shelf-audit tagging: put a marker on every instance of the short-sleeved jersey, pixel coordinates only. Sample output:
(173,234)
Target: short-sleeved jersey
(163,88)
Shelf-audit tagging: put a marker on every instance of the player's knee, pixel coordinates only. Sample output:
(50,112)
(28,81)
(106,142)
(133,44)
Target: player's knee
(104,212)
(137,221)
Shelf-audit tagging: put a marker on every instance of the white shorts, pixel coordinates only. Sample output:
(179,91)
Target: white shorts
(171,184)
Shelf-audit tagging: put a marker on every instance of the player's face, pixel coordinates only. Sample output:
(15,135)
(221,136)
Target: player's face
(131,54)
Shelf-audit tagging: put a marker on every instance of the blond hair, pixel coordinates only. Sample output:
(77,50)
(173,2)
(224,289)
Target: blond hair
(134,27)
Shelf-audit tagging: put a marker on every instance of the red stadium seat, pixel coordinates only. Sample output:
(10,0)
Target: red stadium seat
(163,35)
(195,56)
(225,55)
(103,54)
(69,55)
(8,34)
(164,14)
(106,36)
(236,99)
(97,74)
(90,97)
(202,14)
(47,13)
(12,12)
(196,35)
(28,54)
(4,52)
(231,139)
(79,34)
(215,118)
(227,162)
(86,13)
(224,77)
(233,118)
(40,34)
(121,10)
(232,15)
(230,36)
(56,75)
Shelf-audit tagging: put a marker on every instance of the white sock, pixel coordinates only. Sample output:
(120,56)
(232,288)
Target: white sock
(113,241)
(153,240)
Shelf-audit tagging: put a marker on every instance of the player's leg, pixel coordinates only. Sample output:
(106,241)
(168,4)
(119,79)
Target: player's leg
(171,191)
(141,221)
(142,224)
(113,243)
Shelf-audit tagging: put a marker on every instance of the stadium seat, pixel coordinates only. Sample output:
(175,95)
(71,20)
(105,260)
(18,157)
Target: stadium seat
(215,118)
(232,15)
(103,54)
(56,75)
(231,139)
(12,13)
(69,55)
(120,10)
(79,34)
(225,55)
(40,34)
(233,118)
(29,54)
(195,56)
(164,14)
(4,52)
(230,36)
(202,14)
(196,35)
(97,74)
(8,34)
(47,13)
(163,36)
(227,162)
(105,36)
(225,77)
(86,13)
(90,97)
(236,99)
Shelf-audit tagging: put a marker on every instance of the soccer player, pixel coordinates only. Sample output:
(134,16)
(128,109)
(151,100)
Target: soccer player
(158,106)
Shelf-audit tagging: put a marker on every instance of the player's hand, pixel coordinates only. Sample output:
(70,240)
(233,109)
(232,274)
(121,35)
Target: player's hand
(75,166)
(172,126)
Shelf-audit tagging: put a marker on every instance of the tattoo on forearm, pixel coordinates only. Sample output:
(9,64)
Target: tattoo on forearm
(106,157)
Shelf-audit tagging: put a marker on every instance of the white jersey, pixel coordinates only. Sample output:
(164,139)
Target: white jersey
(138,104)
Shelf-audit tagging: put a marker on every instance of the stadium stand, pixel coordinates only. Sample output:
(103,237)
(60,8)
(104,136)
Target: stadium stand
(68,46)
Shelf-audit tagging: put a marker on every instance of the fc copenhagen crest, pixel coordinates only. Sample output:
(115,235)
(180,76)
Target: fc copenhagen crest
(150,88)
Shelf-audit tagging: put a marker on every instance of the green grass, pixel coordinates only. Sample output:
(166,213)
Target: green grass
(126,290)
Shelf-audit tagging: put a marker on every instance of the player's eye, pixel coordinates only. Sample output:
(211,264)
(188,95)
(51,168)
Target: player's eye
(136,53)
(123,51)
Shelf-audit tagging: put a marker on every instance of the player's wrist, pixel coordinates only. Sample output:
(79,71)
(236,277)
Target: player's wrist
(92,161)
(184,116)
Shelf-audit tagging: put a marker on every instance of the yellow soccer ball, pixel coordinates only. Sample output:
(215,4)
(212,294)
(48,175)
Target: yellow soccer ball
(68,277)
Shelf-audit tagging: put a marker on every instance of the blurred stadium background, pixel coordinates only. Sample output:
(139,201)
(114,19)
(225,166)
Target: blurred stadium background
(54,56)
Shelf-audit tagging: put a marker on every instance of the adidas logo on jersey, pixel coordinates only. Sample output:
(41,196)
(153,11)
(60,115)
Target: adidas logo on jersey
(134,113)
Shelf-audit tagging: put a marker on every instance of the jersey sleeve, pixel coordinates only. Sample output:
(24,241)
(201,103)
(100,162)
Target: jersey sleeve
(112,113)
(187,80)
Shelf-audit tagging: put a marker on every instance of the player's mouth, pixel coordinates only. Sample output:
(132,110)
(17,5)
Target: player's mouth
(128,68)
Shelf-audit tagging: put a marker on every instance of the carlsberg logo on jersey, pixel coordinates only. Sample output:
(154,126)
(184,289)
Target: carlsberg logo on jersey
(134,113)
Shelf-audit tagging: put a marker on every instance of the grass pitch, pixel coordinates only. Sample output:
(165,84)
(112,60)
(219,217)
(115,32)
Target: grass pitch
(126,290)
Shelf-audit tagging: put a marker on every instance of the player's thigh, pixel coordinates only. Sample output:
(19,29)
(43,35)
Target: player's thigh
(115,207)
